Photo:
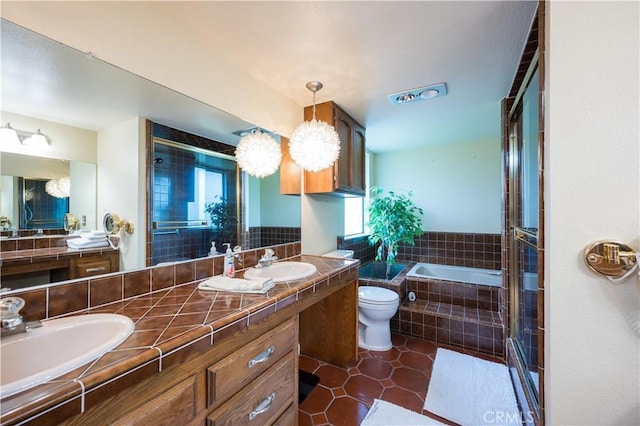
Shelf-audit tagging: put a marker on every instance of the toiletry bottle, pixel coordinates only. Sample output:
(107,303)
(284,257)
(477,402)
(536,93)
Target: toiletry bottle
(213,250)
(229,262)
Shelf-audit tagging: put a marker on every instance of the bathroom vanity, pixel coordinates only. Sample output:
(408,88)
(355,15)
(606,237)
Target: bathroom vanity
(21,258)
(206,357)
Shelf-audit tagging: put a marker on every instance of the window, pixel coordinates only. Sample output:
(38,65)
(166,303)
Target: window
(355,213)
(208,187)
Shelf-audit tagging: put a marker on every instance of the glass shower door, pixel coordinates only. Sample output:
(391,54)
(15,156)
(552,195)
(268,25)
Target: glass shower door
(524,215)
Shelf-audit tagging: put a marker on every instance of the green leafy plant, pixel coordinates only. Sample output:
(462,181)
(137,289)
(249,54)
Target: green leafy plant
(222,218)
(393,219)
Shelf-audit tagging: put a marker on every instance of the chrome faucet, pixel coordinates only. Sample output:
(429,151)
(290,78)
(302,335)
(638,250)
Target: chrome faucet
(267,259)
(12,321)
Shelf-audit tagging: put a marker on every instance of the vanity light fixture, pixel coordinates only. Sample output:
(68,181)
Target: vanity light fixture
(314,145)
(36,140)
(258,154)
(13,137)
(9,136)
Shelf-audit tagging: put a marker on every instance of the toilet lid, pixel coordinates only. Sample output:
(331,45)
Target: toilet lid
(371,294)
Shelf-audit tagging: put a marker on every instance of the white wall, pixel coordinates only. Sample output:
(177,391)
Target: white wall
(322,222)
(83,198)
(122,185)
(277,209)
(458,186)
(592,192)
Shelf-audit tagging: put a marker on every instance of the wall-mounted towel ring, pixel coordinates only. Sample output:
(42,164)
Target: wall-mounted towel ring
(613,259)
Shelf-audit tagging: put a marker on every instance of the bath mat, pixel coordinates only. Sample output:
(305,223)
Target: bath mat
(384,413)
(471,391)
(306,383)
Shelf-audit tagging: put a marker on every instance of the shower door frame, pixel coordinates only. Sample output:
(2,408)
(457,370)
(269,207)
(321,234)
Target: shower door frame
(515,236)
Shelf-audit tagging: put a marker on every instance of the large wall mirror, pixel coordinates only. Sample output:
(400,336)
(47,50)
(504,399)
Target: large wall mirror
(28,201)
(43,79)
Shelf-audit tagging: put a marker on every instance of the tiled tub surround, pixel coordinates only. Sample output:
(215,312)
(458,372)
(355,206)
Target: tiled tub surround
(454,313)
(445,248)
(173,324)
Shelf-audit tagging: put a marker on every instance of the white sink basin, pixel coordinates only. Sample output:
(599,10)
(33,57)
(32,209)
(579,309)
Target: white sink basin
(282,271)
(57,347)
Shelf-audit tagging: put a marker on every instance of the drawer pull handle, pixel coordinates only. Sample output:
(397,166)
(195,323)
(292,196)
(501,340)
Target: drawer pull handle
(98,269)
(262,356)
(262,407)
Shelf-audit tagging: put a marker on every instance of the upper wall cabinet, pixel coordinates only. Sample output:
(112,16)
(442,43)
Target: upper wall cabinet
(347,176)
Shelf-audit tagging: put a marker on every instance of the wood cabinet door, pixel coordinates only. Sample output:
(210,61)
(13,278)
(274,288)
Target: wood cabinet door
(344,127)
(358,182)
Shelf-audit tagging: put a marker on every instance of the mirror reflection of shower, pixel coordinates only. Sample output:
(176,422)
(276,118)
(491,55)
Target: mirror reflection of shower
(38,208)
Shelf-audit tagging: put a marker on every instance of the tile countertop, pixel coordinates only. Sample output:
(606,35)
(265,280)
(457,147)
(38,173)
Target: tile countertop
(48,253)
(171,325)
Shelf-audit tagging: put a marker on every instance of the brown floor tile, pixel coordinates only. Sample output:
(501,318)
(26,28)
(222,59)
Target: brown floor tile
(346,411)
(364,388)
(400,376)
(410,379)
(403,398)
(331,376)
(375,368)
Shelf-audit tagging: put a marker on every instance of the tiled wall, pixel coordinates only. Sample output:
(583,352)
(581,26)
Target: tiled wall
(457,249)
(445,248)
(260,236)
(360,246)
(70,296)
(32,243)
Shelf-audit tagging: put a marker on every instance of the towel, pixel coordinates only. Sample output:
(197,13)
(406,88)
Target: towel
(86,241)
(238,285)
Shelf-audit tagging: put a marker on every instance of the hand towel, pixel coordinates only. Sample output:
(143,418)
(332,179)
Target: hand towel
(238,285)
(85,243)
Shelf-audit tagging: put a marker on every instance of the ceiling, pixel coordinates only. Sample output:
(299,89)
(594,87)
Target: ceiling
(361,51)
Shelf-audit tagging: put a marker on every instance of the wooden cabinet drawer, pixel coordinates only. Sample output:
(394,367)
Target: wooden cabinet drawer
(83,267)
(175,406)
(236,370)
(264,401)
(287,418)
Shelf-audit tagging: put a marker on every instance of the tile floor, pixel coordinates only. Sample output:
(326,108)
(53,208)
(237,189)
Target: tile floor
(400,376)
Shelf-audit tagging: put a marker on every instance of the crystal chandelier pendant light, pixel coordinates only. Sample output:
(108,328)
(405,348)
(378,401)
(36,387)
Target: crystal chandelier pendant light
(314,145)
(258,154)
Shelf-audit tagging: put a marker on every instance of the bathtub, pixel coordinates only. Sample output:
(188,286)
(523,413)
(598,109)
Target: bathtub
(456,273)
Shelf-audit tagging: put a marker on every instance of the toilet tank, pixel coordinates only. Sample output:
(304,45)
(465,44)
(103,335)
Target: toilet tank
(343,254)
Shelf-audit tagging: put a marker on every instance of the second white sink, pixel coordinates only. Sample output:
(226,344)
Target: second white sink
(59,346)
(282,271)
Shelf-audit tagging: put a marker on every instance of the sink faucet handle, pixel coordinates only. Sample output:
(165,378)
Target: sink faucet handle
(268,253)
(10,306)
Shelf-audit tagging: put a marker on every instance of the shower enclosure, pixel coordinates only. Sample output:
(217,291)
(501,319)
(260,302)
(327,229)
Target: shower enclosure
(524,241)
(195,201)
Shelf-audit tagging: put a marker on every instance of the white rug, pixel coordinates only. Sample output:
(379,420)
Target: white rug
(384,413)
(471,391)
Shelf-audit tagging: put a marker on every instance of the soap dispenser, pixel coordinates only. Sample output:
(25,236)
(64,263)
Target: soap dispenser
(229,262)
(213,250)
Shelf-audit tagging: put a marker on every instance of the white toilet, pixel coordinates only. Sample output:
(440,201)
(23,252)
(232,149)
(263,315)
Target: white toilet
(376,307)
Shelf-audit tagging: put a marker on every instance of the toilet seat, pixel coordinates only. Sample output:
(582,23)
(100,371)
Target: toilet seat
(371,295)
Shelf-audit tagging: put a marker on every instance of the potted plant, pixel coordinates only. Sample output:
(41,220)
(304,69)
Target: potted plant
(222,217)
(393,219)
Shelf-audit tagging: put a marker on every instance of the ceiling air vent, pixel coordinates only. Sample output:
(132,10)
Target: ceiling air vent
(419,94)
